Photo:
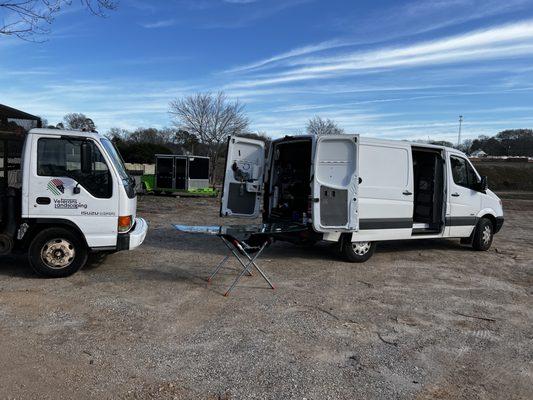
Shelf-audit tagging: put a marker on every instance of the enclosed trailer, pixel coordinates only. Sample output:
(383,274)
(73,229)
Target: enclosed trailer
(180,172)
(358,191)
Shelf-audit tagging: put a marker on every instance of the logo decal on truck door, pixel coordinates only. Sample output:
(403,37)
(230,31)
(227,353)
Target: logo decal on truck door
(56,186)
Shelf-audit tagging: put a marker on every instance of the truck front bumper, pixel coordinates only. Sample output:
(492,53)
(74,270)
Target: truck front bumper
(135,237)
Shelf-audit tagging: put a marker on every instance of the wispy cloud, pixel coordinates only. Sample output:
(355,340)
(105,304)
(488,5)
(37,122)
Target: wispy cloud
(261,10)
(159,24)
(421,16)
(506,41)
(240,1)
(300,51)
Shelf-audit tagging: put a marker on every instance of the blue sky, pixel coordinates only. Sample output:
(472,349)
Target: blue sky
(390,69)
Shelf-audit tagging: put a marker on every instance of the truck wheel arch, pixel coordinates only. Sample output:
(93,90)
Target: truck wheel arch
(37,225)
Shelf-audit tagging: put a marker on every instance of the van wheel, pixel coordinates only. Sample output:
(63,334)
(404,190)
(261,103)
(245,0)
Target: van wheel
(358,251)
(483,235)
(57,253)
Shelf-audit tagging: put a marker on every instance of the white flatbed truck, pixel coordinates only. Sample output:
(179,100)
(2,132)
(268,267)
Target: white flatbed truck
(71,196)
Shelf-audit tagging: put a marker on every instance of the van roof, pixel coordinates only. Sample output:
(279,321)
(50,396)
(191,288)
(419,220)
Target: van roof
(370,140)
(61,132)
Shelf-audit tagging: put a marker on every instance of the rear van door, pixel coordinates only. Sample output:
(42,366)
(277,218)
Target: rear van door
(243,178)
(335,183)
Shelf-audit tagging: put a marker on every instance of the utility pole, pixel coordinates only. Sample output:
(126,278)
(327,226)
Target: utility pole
(460,126)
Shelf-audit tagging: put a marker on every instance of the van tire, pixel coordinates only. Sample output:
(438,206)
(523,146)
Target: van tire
(71,253)
(357,252)
(483,235)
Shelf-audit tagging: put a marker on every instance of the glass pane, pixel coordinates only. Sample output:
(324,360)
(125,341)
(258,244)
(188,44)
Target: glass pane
(62,157)
(459,171)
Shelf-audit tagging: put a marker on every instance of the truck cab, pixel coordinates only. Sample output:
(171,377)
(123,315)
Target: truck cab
(73,196)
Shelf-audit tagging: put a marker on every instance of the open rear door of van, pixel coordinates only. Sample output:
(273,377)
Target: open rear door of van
(335,183)
(243,179)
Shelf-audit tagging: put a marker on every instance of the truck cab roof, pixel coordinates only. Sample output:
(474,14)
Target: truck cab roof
(64,132)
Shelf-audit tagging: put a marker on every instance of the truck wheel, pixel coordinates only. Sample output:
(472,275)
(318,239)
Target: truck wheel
(483,235)
(57,253)
(358,251)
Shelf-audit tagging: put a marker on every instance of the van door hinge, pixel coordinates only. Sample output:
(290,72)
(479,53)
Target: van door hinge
(316,200)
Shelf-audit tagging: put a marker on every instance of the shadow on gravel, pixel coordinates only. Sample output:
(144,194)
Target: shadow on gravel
(421,244)
(199,277)
(16,266)
(324,251)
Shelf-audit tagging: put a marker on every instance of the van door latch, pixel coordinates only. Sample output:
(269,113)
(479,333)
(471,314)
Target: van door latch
(407,193)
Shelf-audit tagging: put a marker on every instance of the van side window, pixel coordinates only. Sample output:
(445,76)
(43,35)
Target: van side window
(463,174)
(62,157)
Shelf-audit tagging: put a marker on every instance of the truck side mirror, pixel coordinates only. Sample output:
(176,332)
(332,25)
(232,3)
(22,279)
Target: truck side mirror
(483,185)
(86,158)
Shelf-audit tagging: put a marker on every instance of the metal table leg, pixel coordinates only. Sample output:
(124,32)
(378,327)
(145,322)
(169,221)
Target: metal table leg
(223,261)
(251,263)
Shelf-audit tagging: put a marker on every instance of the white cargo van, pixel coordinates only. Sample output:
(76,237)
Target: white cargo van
(359,191)
(72,195)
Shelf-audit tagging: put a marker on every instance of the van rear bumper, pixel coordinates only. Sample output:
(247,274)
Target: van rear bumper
(135,237)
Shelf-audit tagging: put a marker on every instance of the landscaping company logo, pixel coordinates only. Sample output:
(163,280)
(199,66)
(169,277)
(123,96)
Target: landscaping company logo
(56,186)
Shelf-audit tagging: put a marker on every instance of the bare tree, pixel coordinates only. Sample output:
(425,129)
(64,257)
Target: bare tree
(318,126)
(29,19)
(211,118)
(80,122)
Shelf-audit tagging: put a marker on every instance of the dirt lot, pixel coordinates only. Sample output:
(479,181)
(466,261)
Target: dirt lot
(419,320)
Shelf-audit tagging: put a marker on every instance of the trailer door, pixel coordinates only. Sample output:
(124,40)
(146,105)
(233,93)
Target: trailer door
(335,183)
(243,179)
(164,172)
(180,173)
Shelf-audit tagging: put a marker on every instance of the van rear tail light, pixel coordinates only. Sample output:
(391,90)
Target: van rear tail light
(124,223)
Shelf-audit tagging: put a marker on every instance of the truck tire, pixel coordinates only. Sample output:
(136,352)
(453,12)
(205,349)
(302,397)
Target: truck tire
(57,253)
(483,235)
(357,252)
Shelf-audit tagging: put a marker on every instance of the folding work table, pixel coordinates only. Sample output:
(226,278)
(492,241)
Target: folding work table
(247,241)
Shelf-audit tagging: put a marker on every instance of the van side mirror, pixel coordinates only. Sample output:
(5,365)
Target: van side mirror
(483,185)
(86,158)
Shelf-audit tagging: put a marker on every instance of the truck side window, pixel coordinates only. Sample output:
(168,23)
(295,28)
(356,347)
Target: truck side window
(62,157)
(463,174)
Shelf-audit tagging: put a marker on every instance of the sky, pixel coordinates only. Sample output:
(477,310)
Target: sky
(387,69)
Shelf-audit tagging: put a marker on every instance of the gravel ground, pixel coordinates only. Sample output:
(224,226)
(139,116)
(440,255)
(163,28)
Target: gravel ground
(421,319)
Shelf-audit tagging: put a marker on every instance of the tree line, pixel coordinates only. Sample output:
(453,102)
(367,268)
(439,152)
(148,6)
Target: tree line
(202,123)
(510,142)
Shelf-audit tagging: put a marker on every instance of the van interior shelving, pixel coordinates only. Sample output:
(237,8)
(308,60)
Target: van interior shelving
(289,184)
(428,183)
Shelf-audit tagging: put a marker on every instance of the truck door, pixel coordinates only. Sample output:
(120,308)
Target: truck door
(70,179)
(335,183)
(243,179)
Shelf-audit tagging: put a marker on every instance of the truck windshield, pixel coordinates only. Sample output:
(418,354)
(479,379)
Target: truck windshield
(116,158)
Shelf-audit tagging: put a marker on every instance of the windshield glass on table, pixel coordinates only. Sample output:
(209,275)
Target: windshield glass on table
(116,158)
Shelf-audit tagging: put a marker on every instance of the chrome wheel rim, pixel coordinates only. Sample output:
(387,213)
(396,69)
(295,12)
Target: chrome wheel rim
(487,233)
(58,253)
(361,248)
